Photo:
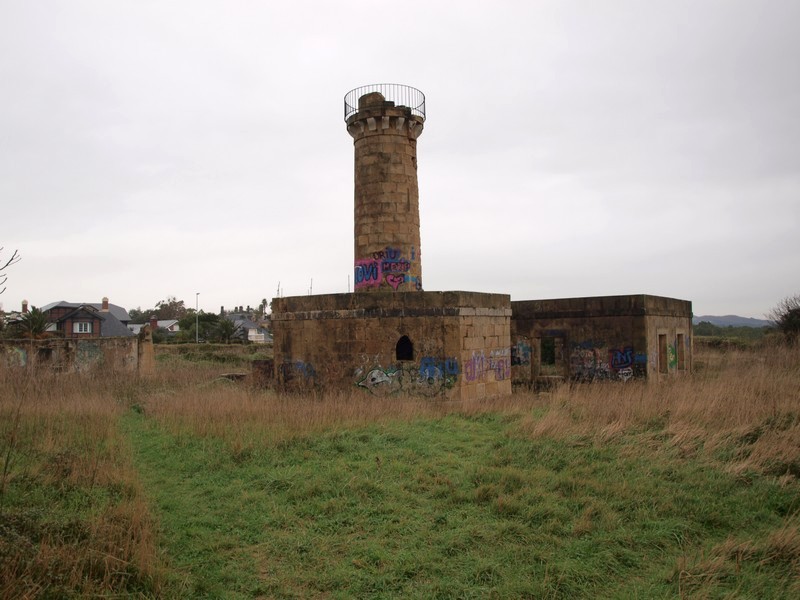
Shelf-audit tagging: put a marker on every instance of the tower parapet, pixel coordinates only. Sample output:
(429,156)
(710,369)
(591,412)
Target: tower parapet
(385,121)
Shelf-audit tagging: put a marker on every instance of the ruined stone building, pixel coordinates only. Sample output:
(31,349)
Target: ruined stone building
(390,336)
(83,337)
(608,338)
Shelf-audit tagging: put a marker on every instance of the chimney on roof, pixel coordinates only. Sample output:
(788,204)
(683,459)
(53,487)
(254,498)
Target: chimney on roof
(24,306)
(222,310)
(153,323)
(105,304)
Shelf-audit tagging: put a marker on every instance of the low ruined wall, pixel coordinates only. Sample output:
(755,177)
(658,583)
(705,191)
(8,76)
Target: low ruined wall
(450,344)
(112,354)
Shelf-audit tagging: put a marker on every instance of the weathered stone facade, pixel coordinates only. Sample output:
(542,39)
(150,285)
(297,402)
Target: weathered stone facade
(601,338)
(387,240)
(461,345)
(448,344)
(82,355)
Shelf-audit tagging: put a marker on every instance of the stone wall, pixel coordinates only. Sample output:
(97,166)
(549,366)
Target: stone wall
(146,352)
(602,338)
(82,355)
(448,344)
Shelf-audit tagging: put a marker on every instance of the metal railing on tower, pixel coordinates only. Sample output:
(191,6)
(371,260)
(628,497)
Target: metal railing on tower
(394,94)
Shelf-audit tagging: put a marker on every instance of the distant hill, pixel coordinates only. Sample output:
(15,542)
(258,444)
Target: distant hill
(731,321)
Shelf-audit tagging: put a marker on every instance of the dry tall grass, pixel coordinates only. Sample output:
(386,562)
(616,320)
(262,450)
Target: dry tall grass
(243,415)
(73,519)
(747,400)
(59,440)
(739,410)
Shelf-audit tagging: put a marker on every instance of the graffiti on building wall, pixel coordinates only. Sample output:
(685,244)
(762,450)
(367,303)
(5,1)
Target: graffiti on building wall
(521,353)
(74,355)
(432,368)
(475,366)
(620,359)
(15,356)
(588,362)
(625,373)
(432,376)
(385,266)
(87,355)
(672,357)
(478,366)
(299,371)
(500,363)
(380,381)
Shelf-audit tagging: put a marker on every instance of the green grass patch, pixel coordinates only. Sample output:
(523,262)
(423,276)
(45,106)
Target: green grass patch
(460,507)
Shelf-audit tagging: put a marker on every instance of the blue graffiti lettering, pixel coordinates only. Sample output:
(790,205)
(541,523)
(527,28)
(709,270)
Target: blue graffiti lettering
(366,271)
(430,367)
(621,359)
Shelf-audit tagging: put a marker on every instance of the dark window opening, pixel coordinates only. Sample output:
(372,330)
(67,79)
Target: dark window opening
(404,349)
(548,351)
(663,365)
(551,356)
(681,350)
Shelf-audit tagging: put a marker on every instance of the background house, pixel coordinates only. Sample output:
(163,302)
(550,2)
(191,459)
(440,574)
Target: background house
(76,319)
(248,330)
(168,325)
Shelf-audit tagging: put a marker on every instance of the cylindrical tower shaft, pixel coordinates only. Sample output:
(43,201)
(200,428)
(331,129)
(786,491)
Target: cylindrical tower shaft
(387,240)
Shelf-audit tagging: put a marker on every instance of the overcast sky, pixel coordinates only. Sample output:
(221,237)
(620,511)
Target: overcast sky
(571,148)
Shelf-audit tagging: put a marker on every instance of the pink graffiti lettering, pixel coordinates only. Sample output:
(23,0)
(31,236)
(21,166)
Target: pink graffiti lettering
(367,273)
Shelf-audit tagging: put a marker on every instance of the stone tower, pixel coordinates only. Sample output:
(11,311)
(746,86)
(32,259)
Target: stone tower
(391,337)
(385,121)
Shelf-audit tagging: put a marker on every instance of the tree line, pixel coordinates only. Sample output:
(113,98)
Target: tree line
(192,325)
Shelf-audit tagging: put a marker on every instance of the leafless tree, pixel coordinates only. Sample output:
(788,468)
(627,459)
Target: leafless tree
(15,258)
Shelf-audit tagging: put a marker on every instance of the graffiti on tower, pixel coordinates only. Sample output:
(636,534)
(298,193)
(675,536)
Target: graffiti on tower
(386,267)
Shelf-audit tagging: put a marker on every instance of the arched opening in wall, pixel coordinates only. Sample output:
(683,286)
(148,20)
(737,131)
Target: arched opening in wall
(404,349)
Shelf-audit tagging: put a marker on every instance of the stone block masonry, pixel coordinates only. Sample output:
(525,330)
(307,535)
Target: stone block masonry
(106,355)
(397,339)
(601,338)
(387,240)
(395,343)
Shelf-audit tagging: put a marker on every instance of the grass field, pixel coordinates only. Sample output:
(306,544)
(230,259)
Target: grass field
(183,485)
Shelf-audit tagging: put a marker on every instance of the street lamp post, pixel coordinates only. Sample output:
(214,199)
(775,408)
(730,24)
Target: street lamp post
(197,318)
